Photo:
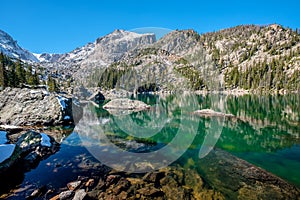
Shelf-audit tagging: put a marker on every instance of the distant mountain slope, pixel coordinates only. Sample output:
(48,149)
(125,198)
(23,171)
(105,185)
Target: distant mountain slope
(252,57)
(82,61)
(111,48)
(47,57)
(243,57)
(173,62)
(9,47)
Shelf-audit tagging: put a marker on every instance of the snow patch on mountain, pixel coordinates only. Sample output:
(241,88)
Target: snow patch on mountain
(47,57)
(10,47)
(77,55)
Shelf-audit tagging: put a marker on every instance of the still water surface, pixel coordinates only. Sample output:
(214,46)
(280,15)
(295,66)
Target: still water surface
(263,131)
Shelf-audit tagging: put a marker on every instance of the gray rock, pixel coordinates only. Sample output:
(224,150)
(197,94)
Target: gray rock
(74,185)
(116,94)
(33,107)
(66,194)
(212,113)
(33,148)
(113,46)
(126,104)
(37,192)
(81,93)
(29,141)
(80,194)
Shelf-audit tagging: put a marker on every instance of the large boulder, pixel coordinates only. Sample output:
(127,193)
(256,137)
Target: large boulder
(124,106)
(33,107)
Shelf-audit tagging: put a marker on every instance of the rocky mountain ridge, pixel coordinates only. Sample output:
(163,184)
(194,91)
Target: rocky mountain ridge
(10,47)
(252,57)
(227,59)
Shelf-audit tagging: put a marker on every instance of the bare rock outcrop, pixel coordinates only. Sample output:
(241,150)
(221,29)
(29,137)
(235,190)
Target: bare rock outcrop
(26,106)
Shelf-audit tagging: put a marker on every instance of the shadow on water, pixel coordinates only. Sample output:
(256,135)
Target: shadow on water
(53,173)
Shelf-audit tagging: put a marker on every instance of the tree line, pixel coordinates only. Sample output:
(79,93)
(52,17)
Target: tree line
(263,75)
(17,74)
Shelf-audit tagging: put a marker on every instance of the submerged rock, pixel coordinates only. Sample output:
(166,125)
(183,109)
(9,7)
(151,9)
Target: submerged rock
(168,183)
(223,176)
(211,113)
(37,192)
(239,179)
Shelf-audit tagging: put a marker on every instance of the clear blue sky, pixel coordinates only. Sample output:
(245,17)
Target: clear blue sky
(59,26)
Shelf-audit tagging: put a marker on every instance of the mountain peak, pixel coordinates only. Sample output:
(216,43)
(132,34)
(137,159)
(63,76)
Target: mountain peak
(122,35)
(118,31)
(275,26)
(10,47)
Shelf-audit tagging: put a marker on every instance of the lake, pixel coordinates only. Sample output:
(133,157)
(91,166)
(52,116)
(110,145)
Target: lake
(263,130)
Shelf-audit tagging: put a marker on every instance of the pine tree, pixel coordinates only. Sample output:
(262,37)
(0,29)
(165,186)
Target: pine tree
(12,76)
(36,80)
(29,77)
(3,72)
(52,85)
(20,73)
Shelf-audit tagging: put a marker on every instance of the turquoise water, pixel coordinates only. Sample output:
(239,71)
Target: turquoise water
(265,131)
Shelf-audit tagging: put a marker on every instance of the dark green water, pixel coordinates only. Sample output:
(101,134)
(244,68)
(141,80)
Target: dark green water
(264,131)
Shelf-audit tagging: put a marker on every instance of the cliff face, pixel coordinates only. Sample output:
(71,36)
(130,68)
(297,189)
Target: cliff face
(112,47)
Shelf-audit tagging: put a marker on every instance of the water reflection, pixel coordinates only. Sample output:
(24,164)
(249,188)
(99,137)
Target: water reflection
(261,126)
(146,124)
(264,131)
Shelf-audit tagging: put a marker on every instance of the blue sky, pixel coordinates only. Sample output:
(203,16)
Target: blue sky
(59,26)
